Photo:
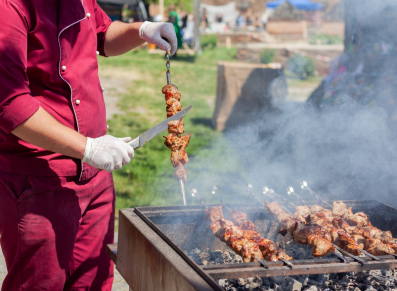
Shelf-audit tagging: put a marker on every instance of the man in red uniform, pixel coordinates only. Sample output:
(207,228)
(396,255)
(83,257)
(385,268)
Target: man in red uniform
(56,207)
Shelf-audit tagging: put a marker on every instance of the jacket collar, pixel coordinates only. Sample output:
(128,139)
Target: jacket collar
(70,12)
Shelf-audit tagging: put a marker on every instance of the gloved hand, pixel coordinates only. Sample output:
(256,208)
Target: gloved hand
(108,152)
(155,33)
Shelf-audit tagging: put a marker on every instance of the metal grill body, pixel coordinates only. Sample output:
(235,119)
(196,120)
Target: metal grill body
(184,229)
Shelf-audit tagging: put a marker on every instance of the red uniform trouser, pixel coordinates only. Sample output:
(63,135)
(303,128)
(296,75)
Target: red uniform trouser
(54,232)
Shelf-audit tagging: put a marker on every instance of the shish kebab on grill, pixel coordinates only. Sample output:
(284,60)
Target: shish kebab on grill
(241,235)
(351,232)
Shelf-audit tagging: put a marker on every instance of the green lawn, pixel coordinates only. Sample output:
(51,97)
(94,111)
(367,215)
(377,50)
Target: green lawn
(148,179)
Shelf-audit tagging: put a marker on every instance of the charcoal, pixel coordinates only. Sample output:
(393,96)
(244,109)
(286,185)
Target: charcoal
(242,281)
(277,280)
(290,284)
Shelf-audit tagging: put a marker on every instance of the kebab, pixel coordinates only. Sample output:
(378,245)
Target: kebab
(240,241)
(247,243)
(174,140)
(312,235)
(354,237)
(270,250)
(349,239)
(354,227)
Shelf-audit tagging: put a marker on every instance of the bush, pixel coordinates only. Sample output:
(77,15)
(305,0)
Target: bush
(302,67)
(325,39)
(208,41)
(267,56)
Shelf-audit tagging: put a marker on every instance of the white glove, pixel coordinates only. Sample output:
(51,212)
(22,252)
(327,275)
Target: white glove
(156,32)
(108,152)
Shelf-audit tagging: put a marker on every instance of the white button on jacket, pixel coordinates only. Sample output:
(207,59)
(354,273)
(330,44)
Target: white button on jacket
(88,15)
(77,102)
(63,68)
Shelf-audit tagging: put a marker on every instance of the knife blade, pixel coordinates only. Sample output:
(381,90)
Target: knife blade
(159,128)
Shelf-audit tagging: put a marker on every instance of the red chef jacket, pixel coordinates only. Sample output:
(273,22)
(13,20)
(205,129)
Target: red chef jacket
(48,58)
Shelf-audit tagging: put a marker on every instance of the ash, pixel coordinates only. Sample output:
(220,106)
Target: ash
(353,281)
(214,257)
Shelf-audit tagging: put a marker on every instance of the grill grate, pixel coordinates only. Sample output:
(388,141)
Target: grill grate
(185,229)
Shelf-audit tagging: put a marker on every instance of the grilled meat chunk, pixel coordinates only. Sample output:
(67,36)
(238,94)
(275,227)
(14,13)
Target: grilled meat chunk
(176,127)
(246,248)
(240,219)
(213,213)
(176,143)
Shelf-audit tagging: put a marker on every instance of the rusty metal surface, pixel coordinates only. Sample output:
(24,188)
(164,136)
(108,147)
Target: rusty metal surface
(185,229)
(304,269)
(198,269)
(148,263)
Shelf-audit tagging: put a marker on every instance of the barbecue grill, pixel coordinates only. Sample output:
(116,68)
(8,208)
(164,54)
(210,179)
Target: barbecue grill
(155,248)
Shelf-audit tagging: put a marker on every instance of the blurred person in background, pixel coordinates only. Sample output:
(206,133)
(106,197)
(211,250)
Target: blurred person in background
(174,19)
(188,32)
(125,13)
(240,21)
(204,19)
(56,207)
(184,16)
(219,17)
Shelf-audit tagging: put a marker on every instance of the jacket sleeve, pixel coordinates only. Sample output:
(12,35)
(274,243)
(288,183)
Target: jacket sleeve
(16,103)
(102,24)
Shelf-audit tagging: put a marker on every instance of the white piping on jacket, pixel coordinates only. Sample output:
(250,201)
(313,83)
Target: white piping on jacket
(59,71)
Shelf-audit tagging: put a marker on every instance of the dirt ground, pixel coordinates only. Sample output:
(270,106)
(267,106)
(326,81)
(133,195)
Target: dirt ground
(115,84)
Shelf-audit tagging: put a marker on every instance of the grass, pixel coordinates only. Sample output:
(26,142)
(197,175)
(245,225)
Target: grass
(148,179)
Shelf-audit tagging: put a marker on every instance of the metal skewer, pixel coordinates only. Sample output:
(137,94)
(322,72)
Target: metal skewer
(182,185)
(168,75)
(272,194)
(289,264)
(349,255)
(195,194)
(369,255)
(213,189)
(290,191)
(305,187)
(262,262)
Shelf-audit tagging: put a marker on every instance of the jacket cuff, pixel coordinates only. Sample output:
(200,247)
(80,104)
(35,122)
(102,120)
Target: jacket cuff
(17,111)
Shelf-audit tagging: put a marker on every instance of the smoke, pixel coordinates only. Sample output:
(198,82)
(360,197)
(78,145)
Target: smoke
(345,149)
(343,152)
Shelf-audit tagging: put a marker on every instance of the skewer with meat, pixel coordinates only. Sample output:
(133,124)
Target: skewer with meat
(270,250)
(376,241)
(350,236)
(174,141)
(313,235)
(245,242)
(236,238)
